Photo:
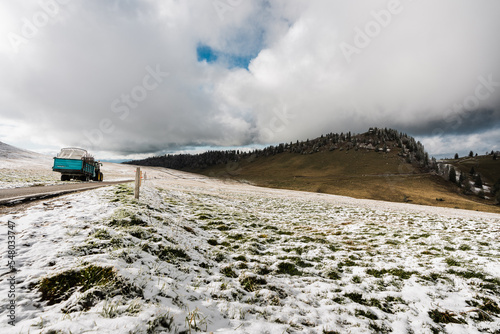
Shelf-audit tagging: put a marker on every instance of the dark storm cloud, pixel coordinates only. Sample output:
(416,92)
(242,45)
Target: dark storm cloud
(85,76)
(464,123)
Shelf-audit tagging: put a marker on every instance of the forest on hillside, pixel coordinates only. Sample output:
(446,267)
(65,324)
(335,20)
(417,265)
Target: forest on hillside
(380,140)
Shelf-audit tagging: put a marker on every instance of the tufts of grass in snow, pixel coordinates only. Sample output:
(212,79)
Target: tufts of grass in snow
(196,259)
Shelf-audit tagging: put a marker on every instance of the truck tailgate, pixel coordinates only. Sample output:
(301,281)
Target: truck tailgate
(67,164)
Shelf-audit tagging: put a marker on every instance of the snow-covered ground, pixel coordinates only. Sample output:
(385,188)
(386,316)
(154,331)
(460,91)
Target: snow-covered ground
(20,168)
(200,255)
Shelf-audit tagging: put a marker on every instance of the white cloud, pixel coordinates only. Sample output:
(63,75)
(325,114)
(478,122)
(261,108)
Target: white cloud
(63,81)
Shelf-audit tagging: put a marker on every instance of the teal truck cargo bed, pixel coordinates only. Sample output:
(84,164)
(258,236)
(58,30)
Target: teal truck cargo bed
(76,163)
(67,165)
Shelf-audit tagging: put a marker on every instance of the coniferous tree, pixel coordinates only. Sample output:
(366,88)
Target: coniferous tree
(461,179)
(452,175)
(456,156)
(446,172)
(434,164)
(467,187)
(478,182)
(471,154)
(496,188)
(495,191)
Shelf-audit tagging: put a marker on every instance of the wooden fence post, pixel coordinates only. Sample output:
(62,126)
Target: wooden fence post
(137,182)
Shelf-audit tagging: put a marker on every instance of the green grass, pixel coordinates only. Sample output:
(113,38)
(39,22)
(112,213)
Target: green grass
(366,314)
(464,247)
(356,297)
(162,322)
(398,272)
(288,269)
(141,233)
(59,287)
(347,263)
(252,283)
(297,250)
(240,258)
(170,254)
(101,234)
(467,274)
(93,246)
(333,274)
(433,277)
(262,270)
(237,237)
(445,317)
(212,242)
(453,262)
(486,305)
(356,279)
(127,219)
(228,272)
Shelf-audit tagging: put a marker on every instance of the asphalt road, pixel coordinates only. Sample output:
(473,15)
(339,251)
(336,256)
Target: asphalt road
(28,193)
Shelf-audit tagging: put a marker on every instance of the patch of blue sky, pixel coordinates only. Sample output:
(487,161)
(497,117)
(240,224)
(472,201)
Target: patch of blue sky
(210,55)
(206,53)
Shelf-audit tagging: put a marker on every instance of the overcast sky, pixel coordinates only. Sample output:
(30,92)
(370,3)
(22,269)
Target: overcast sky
(136,78)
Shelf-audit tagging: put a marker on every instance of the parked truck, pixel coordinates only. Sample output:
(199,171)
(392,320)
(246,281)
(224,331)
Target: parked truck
(78,164)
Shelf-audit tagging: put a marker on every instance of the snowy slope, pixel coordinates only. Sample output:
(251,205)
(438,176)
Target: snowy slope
(199,255)
(11,152)
(21,168)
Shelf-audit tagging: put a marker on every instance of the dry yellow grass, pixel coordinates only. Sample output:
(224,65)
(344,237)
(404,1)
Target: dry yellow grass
(358,174)
(484,165)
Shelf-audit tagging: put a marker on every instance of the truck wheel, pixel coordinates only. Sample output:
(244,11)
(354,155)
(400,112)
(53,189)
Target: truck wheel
(64,177)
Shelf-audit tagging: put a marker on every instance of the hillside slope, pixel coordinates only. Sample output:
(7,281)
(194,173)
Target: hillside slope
(485,165)
(358,174)
(20,168)
(11,152)
(380,164)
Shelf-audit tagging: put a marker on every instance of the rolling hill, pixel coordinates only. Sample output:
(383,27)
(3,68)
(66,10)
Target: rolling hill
(381,164)
(11,152)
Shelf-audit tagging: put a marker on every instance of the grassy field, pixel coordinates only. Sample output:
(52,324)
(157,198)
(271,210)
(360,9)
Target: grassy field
(358,174)
(200,256)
